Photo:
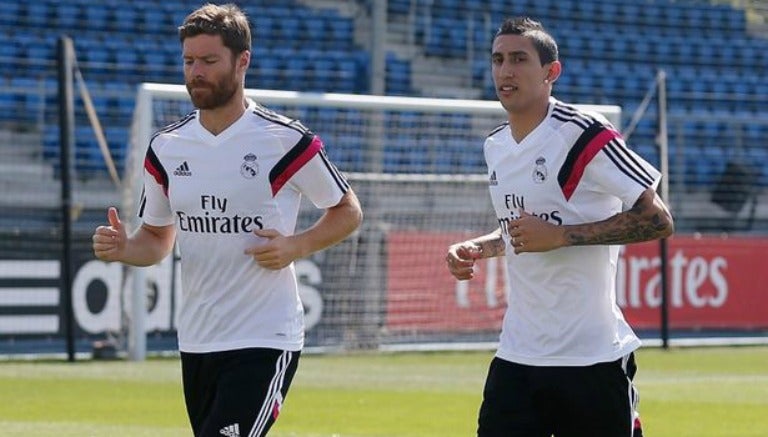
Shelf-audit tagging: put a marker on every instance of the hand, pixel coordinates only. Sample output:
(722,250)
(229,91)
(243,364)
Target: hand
(277,253)
(461,259)
(109,241)
(532,234)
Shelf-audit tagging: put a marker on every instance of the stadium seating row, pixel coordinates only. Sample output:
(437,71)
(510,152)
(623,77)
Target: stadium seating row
(451,37)
(674,16)
(308,49)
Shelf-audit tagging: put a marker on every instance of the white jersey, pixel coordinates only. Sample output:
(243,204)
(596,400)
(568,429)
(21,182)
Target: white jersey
(573,168)
(217,189)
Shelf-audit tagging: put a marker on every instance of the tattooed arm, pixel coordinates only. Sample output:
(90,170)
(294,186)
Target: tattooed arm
(461,256)
(648,219)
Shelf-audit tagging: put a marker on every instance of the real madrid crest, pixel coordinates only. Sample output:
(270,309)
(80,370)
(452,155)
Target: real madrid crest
(250,168)
(540,170)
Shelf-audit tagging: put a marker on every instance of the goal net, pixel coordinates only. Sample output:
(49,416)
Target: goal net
(417,166)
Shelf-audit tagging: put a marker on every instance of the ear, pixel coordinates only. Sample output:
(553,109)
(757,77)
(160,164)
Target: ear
(244,60)
(553,72)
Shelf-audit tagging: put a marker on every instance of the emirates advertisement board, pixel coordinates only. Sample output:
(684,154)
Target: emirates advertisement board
(713,283)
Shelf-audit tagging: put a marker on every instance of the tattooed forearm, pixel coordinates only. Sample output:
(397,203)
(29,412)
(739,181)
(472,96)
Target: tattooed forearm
(492,248)
(647,220)
(490,245)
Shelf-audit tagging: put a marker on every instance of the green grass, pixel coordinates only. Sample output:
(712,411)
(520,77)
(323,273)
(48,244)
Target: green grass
(705,392)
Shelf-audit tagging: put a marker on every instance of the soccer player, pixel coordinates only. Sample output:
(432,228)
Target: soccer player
(567,193)
(225,182)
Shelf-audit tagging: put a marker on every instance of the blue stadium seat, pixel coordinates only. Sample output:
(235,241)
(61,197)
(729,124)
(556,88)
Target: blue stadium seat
(348,153)
(407,154)
(322,75)
(348,75)
(586,10)
(734,20)
(398,76)
(288,29)
(342,32)
(117,139)
(8,108)
(672,16)
(269,72)
(694,17)
(97,61)
(178,14)
(41,57)
(263,26)
(125,19)
(122,95)
(399,6)
(609,12)
(37,15)
(29,96)
(154,20)
(313,30)
(757,156)
(754,133)
(97,17)
(8,51)
(51,144)
(713,158)
(67,17)
(699,170)
(87,154)
(10,13)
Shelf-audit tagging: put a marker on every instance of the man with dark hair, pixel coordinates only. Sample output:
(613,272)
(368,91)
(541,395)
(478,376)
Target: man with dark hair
(567,193)
(225,182)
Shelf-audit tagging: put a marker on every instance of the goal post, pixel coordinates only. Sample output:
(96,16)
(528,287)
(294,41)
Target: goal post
(417,166)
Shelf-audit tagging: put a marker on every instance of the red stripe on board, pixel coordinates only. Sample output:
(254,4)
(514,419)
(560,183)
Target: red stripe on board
(589,152)
(296,165)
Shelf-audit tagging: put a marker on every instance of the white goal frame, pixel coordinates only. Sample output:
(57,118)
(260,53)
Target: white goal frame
(143,129)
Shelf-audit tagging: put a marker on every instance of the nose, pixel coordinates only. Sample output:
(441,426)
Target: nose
(507,68)
(195,69)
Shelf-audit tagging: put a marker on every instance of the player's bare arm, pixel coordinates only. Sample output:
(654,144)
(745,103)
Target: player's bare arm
(648,219)
(461,256)
(145,247)
(333,226)
(490,245)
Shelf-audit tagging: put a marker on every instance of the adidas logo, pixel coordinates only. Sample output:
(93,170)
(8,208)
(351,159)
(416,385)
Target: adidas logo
(231,430)
(492,180)
(182,170)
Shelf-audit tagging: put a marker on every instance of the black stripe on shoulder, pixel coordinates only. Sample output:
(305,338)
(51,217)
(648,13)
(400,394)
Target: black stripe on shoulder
(628,165)
(175,125)
(581,143)
(339,178)
(292,155)
(280,119)
(568,113)
(498,128)
(142,202)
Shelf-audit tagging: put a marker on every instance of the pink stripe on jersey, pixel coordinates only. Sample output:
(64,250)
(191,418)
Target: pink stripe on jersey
(585,157)
(294,166)
(156,173)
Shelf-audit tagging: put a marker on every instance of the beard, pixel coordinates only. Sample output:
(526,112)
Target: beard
(215,95)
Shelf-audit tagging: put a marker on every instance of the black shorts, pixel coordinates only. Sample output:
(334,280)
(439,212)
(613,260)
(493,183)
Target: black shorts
(236,393)
(536,401)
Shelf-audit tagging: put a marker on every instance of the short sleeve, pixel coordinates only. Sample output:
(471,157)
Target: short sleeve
(619,171)
(320,181)
(154,208)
